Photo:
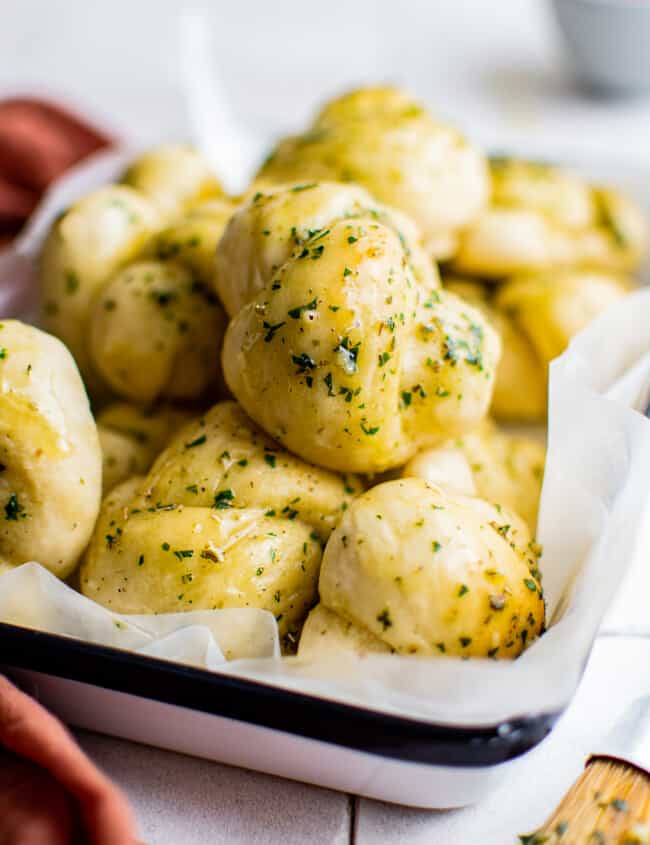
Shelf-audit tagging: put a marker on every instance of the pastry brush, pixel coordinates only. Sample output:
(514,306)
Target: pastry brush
(609,804)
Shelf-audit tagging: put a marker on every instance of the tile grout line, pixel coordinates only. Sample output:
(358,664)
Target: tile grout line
(353,801)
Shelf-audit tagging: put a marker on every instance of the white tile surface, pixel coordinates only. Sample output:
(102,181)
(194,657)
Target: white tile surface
(184,801)
(618,673)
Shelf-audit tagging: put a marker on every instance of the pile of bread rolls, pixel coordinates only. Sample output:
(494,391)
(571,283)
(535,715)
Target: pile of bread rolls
(296,393)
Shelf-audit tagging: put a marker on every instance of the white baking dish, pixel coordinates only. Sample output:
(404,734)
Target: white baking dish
(391,728)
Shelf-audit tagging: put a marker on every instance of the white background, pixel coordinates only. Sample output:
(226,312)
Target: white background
(496,69)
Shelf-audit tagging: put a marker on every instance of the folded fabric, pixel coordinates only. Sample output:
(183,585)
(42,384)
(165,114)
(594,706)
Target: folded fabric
(40,749)
(38,142)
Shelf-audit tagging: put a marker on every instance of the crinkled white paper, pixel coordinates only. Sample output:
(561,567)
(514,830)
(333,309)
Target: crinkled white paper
(32,597)
(594,527)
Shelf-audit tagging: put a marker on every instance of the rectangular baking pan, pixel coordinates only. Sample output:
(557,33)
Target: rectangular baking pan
(247,723)
(283,732)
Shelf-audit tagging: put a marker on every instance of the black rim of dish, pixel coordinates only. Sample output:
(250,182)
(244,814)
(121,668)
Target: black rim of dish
(260,704)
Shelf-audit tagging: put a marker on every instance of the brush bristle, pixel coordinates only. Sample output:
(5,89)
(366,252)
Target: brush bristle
(609,804)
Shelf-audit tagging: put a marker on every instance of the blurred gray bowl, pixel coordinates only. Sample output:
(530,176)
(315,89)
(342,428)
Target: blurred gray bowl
(609,42)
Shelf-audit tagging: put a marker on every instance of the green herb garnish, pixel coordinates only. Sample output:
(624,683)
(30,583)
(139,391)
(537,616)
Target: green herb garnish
(14,510)
(384,619)
(295,313)
(223,500)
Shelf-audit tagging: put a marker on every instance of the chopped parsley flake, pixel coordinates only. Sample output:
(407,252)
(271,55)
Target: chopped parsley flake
(369,430)
(295,313)
(348,354)
(14,510)
(434,298)
(271,329)
(71,282)
(223,500)
(305,187)
(303,362)
(460,350)
(384,619)
(163,298)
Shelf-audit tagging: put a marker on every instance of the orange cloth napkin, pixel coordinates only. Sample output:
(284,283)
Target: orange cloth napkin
(38,142)
(50,792)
